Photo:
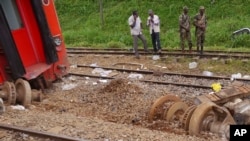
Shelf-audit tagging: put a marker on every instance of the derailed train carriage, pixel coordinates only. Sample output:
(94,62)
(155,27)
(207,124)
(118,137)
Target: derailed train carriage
(32,50)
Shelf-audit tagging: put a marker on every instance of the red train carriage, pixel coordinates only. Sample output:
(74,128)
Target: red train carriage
(32,51)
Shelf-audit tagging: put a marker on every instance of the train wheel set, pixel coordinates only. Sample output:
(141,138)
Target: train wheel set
(210,112)
(19,93)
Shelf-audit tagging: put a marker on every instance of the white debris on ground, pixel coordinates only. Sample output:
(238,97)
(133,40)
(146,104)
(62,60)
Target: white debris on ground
(18,107)
(68,86)
(207,73)
(72,78)
(246,77)
(135,76)
(103,81)
(239,75)
(193,65)
(73,66)
(156,57)
(235,76)
(94,65)
(101,72)
(160,66)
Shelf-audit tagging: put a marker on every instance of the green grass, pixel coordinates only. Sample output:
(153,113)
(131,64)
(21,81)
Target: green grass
(225,66)
(81,24)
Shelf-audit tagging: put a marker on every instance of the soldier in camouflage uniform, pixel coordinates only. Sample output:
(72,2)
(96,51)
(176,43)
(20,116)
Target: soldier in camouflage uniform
(185,34)
(200,23)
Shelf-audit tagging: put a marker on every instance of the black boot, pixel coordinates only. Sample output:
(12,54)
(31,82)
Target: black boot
(201,52)
(198,49)
(190,47)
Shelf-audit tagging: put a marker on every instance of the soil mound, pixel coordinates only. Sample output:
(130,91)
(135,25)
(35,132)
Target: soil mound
(122,86)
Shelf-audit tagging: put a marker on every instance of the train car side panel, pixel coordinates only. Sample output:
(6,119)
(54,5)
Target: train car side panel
(61,66)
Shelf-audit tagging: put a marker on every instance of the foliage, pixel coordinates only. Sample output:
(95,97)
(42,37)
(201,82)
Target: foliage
(81,23)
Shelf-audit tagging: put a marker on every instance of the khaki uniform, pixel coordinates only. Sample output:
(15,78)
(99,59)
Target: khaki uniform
(200,23)
(185,34)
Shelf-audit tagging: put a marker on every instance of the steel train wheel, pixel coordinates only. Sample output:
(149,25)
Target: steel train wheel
(10,92)
(159,104)
(203,113)
(23,92)
(187,116)
(176,110)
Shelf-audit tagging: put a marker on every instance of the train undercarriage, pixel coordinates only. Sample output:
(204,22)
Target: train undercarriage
(213,112)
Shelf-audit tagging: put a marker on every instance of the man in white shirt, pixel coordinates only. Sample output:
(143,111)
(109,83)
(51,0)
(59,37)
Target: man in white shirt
(135,24)
(154,28)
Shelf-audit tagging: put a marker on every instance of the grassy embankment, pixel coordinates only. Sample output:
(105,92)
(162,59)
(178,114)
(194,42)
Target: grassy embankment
(81,24)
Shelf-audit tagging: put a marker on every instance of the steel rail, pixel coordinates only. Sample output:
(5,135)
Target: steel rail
(146,81)
(39,133)
(164,73)
(237,56)
(177,84)
(167,50)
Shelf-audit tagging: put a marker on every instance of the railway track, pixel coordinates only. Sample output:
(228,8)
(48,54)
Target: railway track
(165,52)
(164,73)
(165,80)
(146,81)
(39,134)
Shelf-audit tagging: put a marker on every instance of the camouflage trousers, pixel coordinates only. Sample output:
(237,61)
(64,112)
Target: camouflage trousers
(200,38)
(185,36)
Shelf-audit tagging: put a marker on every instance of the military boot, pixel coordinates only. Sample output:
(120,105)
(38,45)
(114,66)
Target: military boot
(201,52)
(190,47)
(198,49)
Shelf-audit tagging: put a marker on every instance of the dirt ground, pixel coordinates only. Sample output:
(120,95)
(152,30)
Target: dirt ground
(105,110)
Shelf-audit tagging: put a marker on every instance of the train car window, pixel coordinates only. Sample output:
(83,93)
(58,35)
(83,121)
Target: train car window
(11,14)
